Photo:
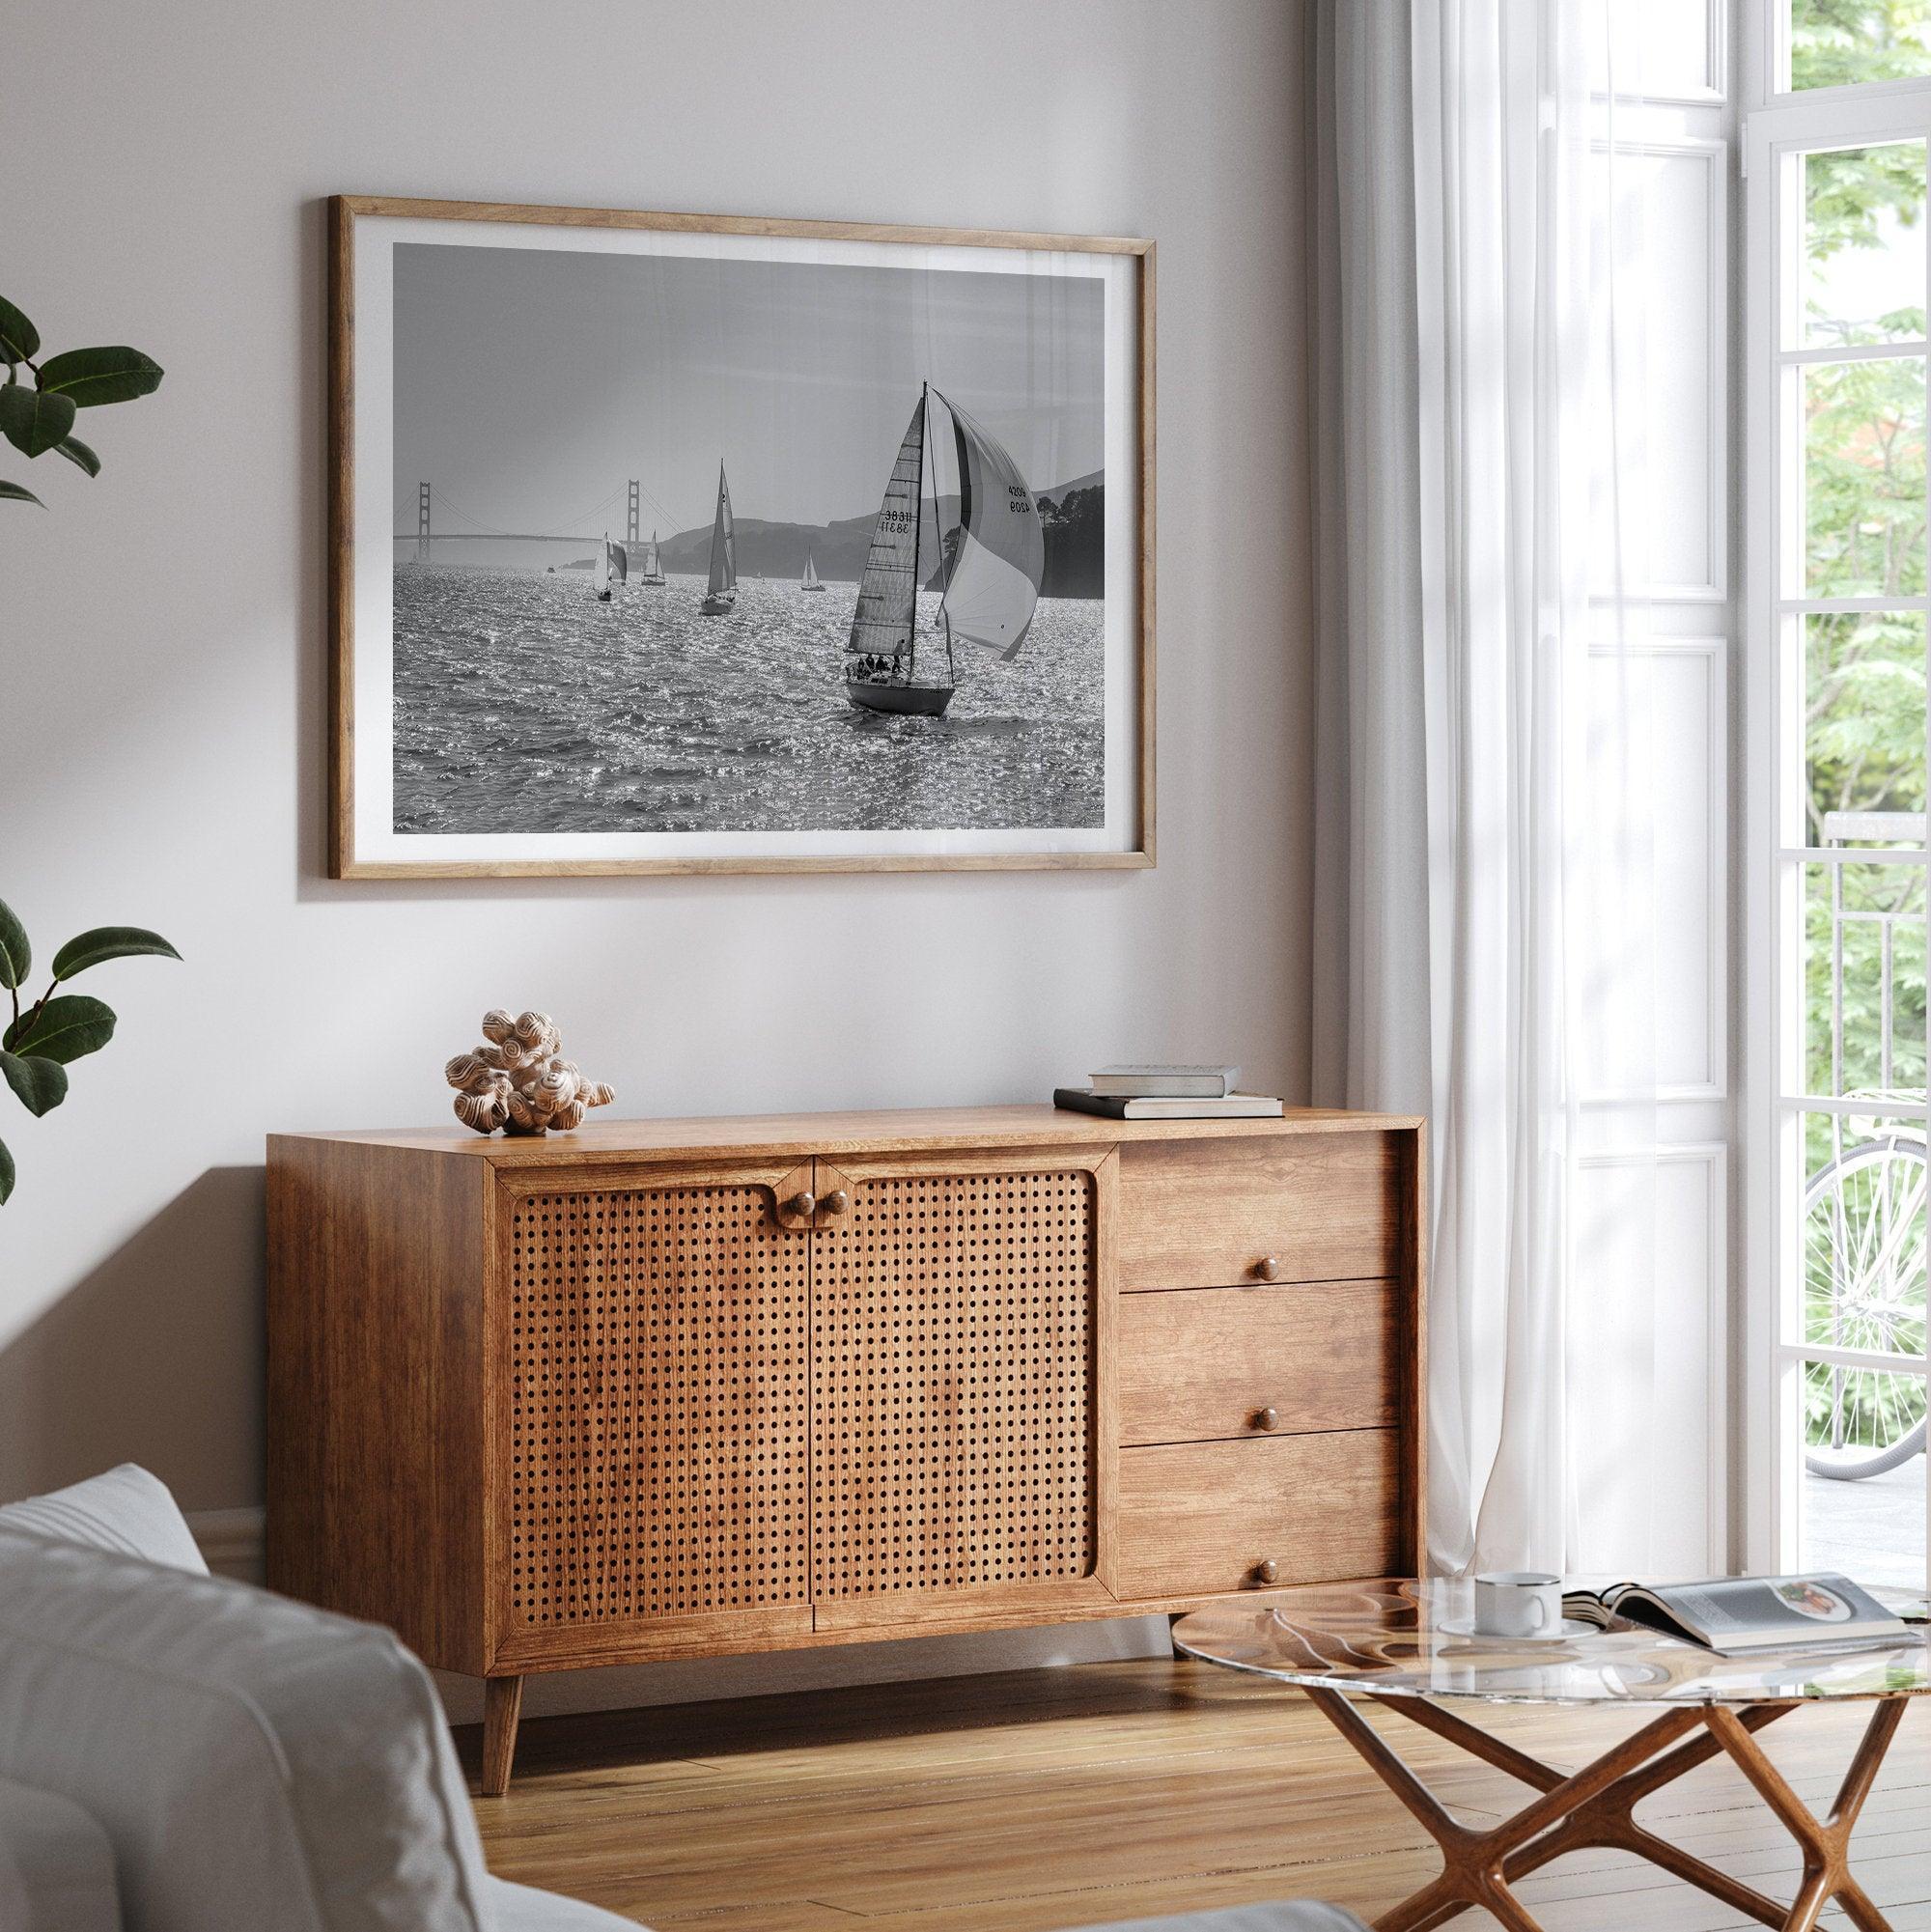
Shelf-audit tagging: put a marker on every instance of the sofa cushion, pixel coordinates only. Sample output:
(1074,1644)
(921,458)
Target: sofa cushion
(254,1762)
(124,1510)
(56,1865)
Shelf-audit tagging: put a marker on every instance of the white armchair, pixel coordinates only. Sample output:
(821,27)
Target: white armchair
(184,1753)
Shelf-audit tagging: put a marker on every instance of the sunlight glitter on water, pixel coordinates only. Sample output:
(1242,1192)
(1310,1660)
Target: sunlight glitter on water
(524,705)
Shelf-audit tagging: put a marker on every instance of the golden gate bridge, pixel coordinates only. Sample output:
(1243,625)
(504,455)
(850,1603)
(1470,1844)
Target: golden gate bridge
(423,535)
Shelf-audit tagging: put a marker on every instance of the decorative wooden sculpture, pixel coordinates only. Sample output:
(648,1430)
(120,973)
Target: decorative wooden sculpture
(519,1080)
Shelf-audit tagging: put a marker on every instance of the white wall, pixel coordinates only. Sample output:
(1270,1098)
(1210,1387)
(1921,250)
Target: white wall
(162,647)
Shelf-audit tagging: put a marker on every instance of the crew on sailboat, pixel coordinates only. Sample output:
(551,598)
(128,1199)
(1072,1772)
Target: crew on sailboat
(721,595)
(612,562)
(991,585)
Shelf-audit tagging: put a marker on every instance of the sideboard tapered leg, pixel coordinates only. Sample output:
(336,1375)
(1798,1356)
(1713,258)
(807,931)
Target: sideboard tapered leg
(503,1706)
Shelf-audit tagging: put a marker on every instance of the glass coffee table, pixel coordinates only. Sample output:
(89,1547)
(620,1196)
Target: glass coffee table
(1408,1647)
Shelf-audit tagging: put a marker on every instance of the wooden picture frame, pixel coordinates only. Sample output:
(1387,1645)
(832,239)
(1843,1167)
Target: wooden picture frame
(383,827)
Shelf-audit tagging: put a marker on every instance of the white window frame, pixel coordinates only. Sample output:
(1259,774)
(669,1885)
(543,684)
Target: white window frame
(1778,126)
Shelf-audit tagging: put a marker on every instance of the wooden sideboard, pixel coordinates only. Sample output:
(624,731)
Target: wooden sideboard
(674,1389)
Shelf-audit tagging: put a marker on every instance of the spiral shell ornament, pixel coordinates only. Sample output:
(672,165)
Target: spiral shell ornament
(517,1079)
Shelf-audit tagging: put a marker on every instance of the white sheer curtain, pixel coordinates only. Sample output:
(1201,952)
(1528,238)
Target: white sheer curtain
(1483,897)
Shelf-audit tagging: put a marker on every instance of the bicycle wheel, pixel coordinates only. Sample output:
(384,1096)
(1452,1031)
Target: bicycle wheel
(1864,1288)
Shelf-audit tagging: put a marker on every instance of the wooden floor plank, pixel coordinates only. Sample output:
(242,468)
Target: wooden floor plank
(1050,1799)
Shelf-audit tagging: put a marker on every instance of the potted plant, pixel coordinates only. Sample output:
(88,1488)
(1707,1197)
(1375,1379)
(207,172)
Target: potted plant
(45,1036)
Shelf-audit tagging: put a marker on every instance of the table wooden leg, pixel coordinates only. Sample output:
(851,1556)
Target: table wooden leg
(1826,1843)
(1475,1863)
(1595,1806)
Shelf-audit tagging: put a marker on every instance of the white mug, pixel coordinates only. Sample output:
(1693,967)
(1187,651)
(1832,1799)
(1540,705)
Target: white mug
(1517,1603)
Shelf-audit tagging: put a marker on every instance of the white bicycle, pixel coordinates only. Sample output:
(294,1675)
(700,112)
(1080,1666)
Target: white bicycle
(1864,1288)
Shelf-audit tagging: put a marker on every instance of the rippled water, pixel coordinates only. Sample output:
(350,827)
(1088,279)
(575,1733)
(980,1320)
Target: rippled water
(524,705)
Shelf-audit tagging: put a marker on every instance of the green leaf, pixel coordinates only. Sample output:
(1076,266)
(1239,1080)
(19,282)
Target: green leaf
(77,452)
(63,1029)
(40,1084)
(107,942)
(90,376)
(20,342)
(11,492)
(6,1174)
(16,956)
(33,420)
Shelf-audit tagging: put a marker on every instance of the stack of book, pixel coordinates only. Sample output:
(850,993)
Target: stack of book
(1166,1093)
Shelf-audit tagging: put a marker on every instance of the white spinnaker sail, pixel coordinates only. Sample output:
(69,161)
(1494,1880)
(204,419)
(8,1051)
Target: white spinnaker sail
(620,560)
(881,623)
(723,541)
(600,571)
(1001,553)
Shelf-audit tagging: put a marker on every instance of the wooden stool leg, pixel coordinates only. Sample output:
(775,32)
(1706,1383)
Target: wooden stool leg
(503,1706)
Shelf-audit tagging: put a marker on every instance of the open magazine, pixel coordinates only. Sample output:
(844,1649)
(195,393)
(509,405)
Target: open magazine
(1736,1616)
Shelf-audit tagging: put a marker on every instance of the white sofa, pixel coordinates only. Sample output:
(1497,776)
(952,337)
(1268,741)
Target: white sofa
(184,1753)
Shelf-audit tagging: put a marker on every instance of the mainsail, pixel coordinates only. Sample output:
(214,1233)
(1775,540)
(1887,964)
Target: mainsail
(881,624)
(810,576)
(652,568)
(723,542)
(600,571)
(1001,557)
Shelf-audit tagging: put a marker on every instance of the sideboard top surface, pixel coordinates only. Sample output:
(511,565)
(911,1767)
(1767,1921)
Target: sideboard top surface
(874,1130)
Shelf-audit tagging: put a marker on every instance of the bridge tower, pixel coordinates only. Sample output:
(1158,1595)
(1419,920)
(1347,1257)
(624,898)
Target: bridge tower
(422,523)
(631,534)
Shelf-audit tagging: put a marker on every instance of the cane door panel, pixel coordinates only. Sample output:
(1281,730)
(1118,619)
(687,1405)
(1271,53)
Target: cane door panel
(657,1408)
(957,1388)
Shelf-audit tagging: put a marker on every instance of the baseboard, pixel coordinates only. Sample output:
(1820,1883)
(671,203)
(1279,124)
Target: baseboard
(232,1542)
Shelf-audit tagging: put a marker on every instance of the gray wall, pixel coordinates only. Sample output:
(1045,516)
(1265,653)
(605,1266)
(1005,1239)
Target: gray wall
(162,649)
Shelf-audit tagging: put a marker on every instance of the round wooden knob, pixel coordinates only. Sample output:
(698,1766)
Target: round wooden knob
(1267,1569)
(804,1205)
(836,1201)
(1267,1418)
(1267,1267)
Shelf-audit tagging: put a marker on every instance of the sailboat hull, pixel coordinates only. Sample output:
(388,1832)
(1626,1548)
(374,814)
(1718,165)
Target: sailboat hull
(811,586)
(902,700)
(720,605)
(652,583)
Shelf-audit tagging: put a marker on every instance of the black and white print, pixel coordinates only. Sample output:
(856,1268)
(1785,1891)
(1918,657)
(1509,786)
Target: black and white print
(689,543)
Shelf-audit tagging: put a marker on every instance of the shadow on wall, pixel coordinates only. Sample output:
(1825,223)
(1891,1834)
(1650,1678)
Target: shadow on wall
(156,1357)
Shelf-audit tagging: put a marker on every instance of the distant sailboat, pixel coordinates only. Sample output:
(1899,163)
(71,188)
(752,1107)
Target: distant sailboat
(809,581)
(653,564)
(612,563)
(990,589)
(720,594)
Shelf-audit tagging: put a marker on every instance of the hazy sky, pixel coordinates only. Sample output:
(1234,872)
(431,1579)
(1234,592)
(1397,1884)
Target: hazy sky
(530,383)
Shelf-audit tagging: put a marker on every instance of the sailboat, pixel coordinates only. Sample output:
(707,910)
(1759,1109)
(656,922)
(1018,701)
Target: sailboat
(612,563)
(653,564)
(809,580)
(720,594)
(992,587)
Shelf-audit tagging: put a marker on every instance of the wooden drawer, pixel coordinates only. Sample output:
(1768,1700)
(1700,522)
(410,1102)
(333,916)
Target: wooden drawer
(1200,1363)
(1306,1207)
(1200,1518)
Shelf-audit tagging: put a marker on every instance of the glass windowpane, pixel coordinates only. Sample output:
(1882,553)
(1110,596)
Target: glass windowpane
(1863,478)
(1863,245)
(1863,981)
(1845,42)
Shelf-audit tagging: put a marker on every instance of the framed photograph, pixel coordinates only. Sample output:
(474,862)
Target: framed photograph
(668,543)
